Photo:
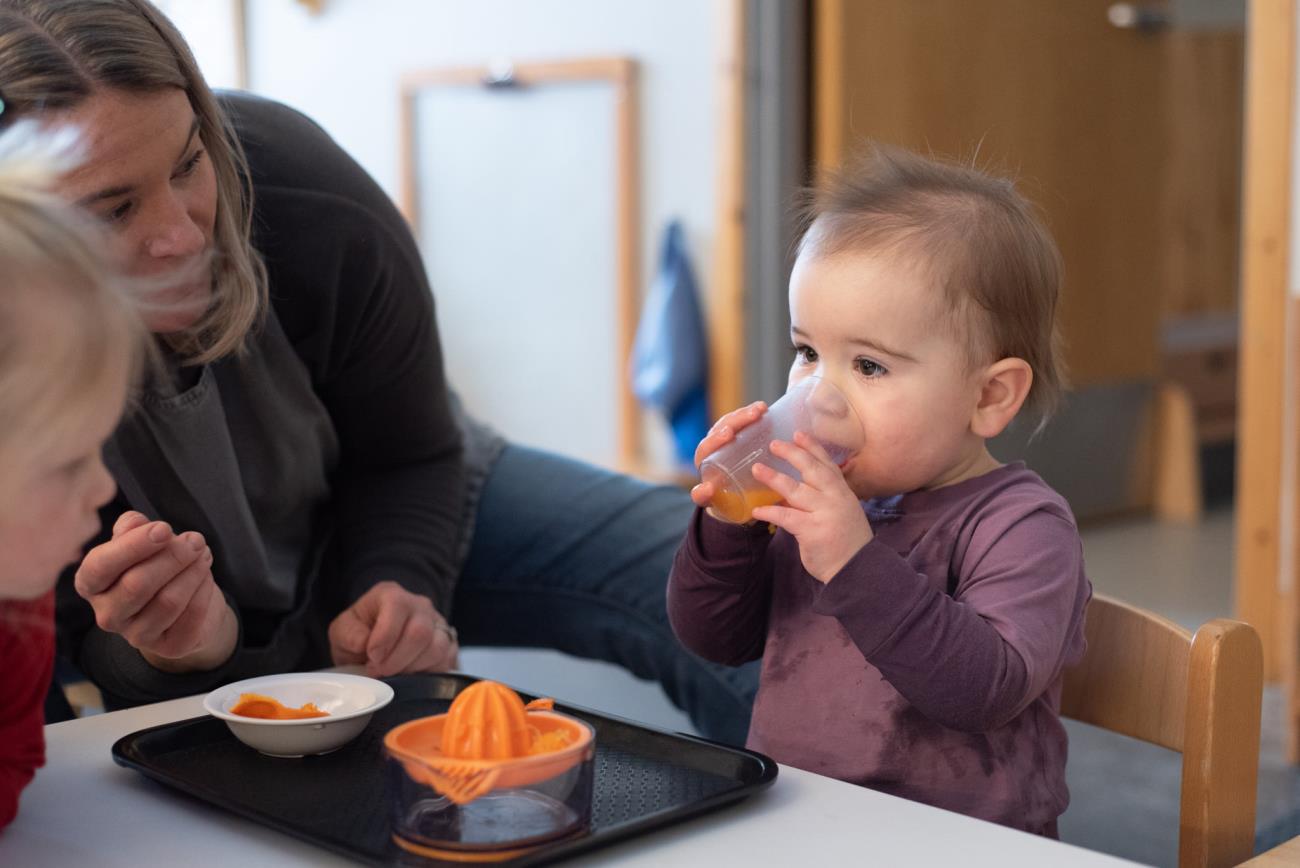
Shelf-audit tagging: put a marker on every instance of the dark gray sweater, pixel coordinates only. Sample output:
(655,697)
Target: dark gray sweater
(327,458)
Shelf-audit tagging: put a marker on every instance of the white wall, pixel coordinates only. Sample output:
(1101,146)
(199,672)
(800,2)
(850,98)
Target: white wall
(211,29)
(342,67)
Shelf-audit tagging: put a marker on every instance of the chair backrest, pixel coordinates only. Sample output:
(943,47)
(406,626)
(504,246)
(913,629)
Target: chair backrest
(1147,677)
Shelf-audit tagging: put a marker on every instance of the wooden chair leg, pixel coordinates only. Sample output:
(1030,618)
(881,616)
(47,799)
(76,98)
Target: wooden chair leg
(1176,463)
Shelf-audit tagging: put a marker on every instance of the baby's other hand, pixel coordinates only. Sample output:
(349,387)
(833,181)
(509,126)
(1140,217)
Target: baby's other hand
(722,433)
(820,510)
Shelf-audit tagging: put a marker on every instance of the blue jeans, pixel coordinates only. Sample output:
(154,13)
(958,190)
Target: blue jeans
(575,558)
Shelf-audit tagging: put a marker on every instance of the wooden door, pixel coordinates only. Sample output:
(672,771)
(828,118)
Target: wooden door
(1128,140)
(1131,143)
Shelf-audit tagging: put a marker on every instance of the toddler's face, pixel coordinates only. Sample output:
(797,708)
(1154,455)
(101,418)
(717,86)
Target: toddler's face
(51,510)
(877,329)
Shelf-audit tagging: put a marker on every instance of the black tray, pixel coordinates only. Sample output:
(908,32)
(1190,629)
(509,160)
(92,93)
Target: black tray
(644,778)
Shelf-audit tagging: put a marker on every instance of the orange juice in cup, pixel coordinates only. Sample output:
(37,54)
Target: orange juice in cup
(812,405)
(738,507)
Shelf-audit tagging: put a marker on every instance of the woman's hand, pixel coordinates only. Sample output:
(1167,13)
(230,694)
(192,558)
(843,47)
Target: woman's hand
(821,512)
(722,433)
(391,630)
(155,589)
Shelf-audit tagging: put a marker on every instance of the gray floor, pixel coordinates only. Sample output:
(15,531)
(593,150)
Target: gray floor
(1124,792)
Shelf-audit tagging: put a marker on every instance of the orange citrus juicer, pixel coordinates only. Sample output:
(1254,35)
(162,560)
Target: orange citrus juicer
(489,739)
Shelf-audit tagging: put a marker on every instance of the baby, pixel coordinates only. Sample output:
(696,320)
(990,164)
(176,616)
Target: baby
(914,606)
(70,345)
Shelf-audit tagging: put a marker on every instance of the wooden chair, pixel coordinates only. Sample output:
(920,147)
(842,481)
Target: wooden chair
(1148,678)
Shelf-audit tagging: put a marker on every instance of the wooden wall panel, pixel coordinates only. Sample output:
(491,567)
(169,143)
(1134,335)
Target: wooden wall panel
(1049,92)
(1201,201)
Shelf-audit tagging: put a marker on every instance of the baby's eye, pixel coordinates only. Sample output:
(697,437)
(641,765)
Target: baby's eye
(869,369)
(805,354)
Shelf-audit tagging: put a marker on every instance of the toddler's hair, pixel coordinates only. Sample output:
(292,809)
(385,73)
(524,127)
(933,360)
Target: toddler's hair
(67,325)
(972,233)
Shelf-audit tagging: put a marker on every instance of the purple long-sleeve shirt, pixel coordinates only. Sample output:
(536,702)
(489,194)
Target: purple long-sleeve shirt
(930,666)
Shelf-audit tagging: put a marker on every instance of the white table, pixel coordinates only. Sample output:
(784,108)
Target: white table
(82,809)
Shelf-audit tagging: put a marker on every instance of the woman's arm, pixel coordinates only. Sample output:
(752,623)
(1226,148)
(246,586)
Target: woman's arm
(350,290)
(399,490)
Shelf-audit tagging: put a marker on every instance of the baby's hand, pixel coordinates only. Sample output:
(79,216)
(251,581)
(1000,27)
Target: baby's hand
(722,433)
(821,511)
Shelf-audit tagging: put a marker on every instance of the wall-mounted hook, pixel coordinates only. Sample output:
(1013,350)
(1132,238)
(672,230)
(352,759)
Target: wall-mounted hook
(501,73)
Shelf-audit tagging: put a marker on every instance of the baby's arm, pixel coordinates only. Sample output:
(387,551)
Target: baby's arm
(719,589)
(975,660)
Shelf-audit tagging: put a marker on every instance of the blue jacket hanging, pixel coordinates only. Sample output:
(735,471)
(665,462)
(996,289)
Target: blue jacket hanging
(670,358)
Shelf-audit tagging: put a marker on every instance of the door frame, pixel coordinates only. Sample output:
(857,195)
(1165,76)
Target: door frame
(1266,441)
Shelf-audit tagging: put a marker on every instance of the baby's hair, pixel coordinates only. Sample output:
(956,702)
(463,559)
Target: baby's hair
(980,241)
(67,324)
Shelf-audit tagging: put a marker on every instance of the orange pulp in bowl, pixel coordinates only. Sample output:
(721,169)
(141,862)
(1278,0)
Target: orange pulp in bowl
(267,708)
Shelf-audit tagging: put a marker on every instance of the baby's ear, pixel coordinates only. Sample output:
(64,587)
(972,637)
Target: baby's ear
(1004,385)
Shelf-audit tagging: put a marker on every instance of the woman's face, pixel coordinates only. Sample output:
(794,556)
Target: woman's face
(147,175)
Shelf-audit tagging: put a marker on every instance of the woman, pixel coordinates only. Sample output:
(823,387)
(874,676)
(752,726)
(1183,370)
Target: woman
(305,428)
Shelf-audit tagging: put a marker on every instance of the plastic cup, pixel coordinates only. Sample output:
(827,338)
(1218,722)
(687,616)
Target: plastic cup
(813,406)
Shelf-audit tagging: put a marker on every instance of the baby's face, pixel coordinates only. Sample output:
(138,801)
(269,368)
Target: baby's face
(51,507)
(878,330)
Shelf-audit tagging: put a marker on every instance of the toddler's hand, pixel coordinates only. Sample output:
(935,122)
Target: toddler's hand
(821,511)
(722,433)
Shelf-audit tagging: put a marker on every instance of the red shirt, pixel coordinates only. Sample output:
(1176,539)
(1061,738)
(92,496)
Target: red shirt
(26,662)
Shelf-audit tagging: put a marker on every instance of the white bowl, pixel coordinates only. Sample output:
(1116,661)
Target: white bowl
(350,700)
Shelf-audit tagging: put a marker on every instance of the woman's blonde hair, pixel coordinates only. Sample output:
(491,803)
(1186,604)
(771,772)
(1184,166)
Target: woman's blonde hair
(68,327)
(56,53)
(981,241)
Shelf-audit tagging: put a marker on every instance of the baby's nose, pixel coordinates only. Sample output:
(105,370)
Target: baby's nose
(827,400)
